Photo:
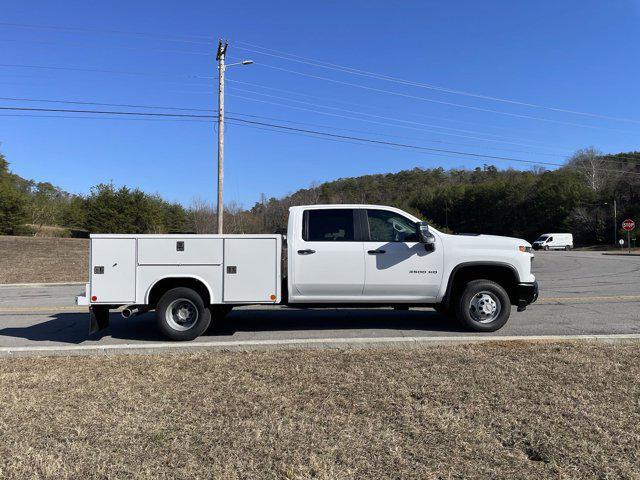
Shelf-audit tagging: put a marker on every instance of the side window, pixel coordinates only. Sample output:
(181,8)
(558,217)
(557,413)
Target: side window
(385,226)
(550,239)
(328,225)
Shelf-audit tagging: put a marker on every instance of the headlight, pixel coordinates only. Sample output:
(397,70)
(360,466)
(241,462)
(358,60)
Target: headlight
(524,249)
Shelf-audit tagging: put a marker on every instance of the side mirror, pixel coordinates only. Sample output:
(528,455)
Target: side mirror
(426,237)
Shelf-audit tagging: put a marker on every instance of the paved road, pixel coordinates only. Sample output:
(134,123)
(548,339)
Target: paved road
(581,293)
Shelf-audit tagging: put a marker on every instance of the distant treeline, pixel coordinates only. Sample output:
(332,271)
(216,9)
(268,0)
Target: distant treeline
(577,198)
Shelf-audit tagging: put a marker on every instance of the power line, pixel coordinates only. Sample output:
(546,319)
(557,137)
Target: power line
(380,123)
(205,40)
(120,47)
(452,104)
(107,112)
(100,70)
(79,102)
(378,116)
(444,142)
(291,92)
(409,146)
(275,130)
(355,71)
(300,130)
(202,40)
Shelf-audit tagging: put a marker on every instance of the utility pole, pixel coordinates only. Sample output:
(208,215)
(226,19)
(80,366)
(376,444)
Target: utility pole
(220,57)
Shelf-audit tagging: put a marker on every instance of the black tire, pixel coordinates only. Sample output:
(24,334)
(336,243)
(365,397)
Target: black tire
(185,300)
(567,248)
(401,308)
(546,247)
(498,294)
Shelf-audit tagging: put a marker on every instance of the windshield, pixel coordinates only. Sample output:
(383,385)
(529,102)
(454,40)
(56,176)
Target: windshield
(542,238)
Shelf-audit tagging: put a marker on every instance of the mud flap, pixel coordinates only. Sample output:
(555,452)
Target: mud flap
(98,318)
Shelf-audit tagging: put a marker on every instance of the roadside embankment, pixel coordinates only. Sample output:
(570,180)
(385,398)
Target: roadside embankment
(513,410)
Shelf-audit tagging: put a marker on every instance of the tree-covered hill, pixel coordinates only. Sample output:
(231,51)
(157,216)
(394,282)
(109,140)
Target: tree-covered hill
(577,198)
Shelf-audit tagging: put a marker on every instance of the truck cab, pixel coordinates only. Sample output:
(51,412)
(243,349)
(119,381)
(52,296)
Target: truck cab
(337,256)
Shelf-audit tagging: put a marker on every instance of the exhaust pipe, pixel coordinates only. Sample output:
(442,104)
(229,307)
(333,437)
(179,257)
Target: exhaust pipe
(131,310)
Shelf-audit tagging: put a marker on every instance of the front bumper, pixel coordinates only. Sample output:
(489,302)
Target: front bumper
(526,294)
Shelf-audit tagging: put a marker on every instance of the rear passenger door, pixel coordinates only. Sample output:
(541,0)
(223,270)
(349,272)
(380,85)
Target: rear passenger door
(328,262)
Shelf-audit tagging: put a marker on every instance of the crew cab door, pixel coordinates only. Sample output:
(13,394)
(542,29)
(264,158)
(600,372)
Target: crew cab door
(327,258)
(397,266)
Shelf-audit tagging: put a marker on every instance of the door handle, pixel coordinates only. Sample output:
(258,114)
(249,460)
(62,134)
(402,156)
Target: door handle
(376,252)
(308,251)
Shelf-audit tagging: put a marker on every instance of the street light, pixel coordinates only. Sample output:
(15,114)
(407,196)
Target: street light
(220,57)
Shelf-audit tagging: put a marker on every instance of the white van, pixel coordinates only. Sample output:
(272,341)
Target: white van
(557,241)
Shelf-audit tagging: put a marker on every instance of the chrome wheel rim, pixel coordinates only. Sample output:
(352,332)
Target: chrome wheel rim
(484,307)
(182,314)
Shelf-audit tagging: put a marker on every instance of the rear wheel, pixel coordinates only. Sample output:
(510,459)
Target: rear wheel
(181,314)
(567,248)
(484,306)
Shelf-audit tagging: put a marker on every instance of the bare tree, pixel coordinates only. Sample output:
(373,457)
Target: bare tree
(202,215)
(593,166)
(233,217)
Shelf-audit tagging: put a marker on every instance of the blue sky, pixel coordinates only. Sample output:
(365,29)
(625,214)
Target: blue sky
(574,55)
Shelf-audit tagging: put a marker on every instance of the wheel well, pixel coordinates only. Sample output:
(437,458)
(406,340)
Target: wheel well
(166,284)
(503,275)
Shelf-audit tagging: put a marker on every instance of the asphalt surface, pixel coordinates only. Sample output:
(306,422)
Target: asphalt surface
(581,293)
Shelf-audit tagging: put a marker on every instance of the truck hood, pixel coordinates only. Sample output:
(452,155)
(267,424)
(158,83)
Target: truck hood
(488,242)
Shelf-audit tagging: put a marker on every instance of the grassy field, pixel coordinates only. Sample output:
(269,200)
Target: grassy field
(38,260)
(503,411)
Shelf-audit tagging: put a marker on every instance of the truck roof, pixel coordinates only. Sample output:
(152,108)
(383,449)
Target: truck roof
(355,205)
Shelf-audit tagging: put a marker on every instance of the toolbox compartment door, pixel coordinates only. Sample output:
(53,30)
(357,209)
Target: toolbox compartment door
(250,270)
(113,270)
(180,251)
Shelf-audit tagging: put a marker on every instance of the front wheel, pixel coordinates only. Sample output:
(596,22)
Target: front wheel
(484,306)
(546,247)
(181,314)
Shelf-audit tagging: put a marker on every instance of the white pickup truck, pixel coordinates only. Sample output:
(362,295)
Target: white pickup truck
(337,256)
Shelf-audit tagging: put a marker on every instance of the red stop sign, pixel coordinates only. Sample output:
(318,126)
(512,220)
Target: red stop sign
(628,225)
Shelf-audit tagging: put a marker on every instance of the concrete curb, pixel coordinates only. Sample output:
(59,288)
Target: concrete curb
(58,284)
(344,343)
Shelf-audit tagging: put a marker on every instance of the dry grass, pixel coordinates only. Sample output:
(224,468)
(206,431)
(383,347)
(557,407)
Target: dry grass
(529,411)
(38,260)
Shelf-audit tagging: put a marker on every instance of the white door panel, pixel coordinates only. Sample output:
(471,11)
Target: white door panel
(113,270)
(334,269)
(403,270)
(250,270)
(397,266)
(180,251)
